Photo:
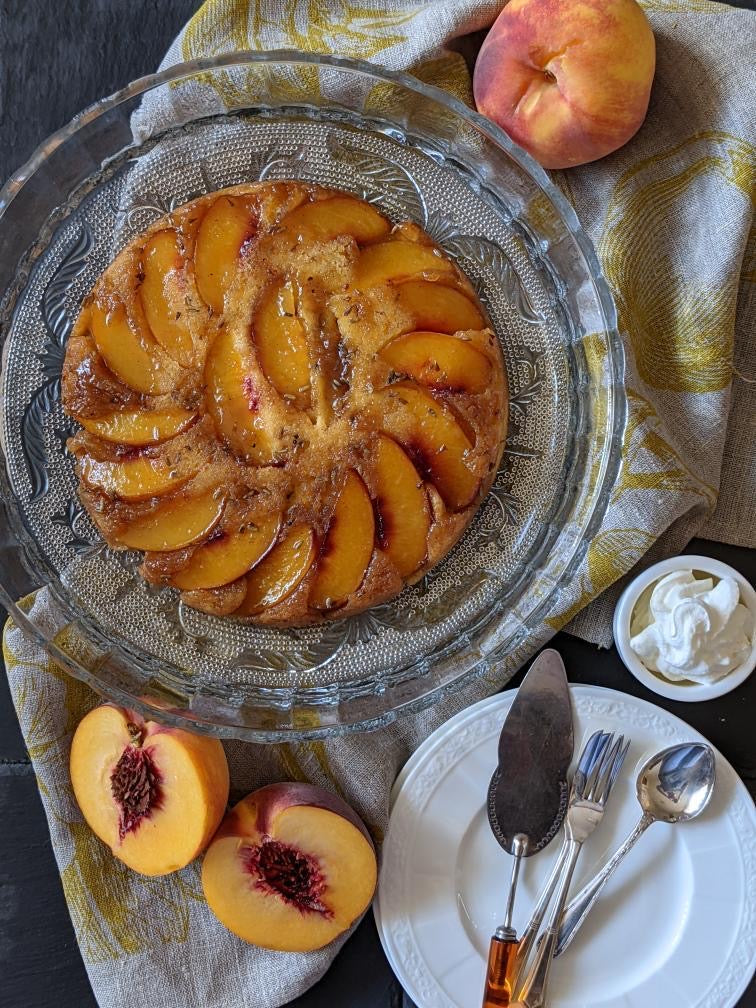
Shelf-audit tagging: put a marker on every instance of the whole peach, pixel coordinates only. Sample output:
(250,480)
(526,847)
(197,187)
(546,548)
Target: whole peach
(569,80)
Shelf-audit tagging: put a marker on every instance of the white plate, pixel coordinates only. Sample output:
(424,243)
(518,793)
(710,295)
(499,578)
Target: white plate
(674,928)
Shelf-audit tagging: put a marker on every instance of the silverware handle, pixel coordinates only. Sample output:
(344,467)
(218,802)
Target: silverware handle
(516,864)
(534,989)
(497,992)
(579,907)
(536,918)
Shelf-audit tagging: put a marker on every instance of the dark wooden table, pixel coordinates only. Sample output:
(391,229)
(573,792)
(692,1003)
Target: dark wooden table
(54,60)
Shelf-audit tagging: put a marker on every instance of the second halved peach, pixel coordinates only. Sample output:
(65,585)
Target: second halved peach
(291,868)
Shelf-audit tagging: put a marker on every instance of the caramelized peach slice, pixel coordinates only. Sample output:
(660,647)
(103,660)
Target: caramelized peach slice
(438,308)
(163,293)
(280,572)
(339,215)
(225,557)
(137,427)
(229,223)
(233,398)
(133,357)
(153,794)
(291,868)
(135,479)
(281,344)
(220,601)
(394,261)
(446,363)
(401,506)
(174,524)
(347,547)
(435,442)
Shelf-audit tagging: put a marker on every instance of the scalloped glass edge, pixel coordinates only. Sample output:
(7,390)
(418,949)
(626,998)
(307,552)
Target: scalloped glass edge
(356,706)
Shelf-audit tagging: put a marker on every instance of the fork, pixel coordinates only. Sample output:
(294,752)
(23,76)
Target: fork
(598,767)
(592,751)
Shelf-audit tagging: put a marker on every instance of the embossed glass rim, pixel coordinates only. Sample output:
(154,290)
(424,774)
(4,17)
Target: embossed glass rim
(193,67)
(475,661)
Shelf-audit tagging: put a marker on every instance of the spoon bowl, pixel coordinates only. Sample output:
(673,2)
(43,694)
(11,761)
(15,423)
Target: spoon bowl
(677,783)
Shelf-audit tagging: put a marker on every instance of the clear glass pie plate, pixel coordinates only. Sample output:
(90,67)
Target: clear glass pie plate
(417,154)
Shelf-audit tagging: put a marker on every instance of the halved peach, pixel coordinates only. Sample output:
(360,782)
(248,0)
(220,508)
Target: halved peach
(438,308)
(132,356)
(225,557)
(402,508)
(163,293)
(280,572)
(446,363)
(434,440)
(397,260)
(281,343)
(175,523)
(229,223)
(347,547)
(234,399)
(136,478)
(339,215)
(139,427)
(291,868)
(153,794)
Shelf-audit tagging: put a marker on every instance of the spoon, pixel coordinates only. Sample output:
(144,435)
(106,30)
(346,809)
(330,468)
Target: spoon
(673,786)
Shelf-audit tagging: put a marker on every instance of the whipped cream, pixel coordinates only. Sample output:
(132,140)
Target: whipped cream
(692,628)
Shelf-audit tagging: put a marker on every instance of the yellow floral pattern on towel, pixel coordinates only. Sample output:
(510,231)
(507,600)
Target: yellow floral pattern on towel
(669,215)
(680,327)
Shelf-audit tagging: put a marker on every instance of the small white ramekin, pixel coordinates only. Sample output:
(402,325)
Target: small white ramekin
(686,691)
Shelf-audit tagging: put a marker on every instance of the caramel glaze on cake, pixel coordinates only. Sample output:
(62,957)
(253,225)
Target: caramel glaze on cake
(290,406)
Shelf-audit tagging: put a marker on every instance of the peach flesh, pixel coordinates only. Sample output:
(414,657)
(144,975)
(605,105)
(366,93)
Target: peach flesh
(290,868)
(153,794)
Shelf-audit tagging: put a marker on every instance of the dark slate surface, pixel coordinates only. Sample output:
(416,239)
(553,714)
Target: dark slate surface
(55,59)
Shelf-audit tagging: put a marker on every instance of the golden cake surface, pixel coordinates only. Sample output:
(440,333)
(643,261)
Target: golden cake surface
(290,406)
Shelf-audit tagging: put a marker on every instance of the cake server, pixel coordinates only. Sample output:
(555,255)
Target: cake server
(527,796)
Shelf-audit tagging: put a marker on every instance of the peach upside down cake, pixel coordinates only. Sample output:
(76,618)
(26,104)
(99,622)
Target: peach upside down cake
(290,406)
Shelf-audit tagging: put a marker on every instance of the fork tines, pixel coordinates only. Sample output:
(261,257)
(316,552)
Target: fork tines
(599,765)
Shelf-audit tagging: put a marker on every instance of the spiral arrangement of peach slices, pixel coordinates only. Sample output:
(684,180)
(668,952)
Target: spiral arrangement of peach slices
(291,407)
